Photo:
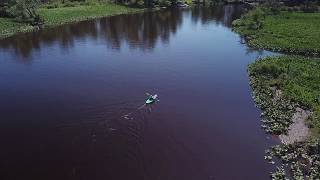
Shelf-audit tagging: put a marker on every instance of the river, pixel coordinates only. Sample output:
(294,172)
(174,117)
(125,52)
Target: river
(65,90)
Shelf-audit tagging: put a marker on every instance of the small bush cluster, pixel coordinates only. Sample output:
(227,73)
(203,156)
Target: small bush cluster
(268,70)
(162,3)
(68,3)
(272,6)
(22,11)
(5,9)
(25,11)
(310,7)
(253,20)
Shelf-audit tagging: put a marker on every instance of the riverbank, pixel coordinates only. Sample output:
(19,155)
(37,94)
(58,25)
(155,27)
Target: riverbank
(281,85)
(9,27)
(64,15)
(287,89)
(289,32)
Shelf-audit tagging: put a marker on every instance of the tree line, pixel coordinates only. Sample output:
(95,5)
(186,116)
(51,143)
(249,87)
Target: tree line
(26,10)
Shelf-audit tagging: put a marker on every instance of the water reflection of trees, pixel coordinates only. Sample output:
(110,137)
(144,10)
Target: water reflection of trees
(223,14)
(138,31)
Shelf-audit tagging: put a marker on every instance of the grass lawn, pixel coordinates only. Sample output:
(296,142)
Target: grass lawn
(298,78)
(293,32)
(63,15)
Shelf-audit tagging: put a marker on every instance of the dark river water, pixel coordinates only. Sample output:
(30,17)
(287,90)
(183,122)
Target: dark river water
(64,92)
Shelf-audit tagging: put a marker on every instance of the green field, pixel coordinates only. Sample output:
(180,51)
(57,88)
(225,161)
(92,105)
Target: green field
(298,78)
(292,32)
(63,15)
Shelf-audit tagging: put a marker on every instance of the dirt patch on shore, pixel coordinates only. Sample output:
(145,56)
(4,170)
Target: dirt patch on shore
(298,130)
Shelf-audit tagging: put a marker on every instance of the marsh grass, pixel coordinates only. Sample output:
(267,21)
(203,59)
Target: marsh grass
(64,15)
(299,79)
(296,76)
(9,27)
(292,32)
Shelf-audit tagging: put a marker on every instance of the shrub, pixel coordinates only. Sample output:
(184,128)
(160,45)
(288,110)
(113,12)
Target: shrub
(52,6)
(69,4)
(284,8)
(290,9)
(266,69)
(4,10)
(140,3)
(25,11)
(310,7)
(296,9)
(273,6)
(164,3)
(255,18)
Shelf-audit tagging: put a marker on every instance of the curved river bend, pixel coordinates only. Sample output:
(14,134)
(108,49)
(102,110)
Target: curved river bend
(64,92)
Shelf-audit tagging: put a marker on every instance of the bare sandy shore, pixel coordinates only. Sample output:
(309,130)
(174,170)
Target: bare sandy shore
(298,130)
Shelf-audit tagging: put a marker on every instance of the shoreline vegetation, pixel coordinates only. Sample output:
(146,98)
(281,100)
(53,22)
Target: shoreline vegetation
(281,84)
(281,30)
(19,16)
(64,15)
(287,88)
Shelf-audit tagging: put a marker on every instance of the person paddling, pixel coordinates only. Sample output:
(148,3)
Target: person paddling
(151,98)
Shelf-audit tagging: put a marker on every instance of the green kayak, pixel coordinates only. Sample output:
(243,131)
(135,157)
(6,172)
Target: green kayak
(151,99)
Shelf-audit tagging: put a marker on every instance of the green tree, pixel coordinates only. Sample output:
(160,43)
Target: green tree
(5,8)
(26,11)
(273,6)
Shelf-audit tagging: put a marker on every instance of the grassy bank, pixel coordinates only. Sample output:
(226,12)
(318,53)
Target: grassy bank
(283,85)
(297,77)
(8,27)
(64,15)
(292,32)
(298,80)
